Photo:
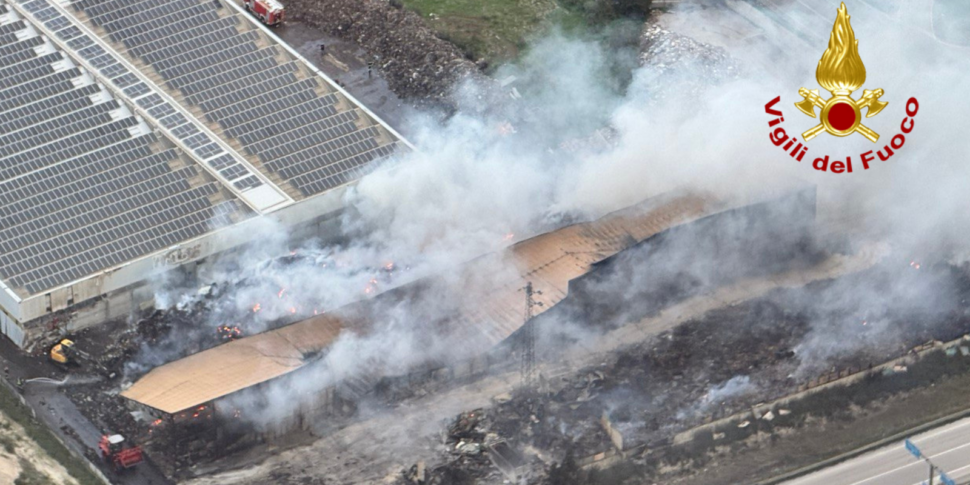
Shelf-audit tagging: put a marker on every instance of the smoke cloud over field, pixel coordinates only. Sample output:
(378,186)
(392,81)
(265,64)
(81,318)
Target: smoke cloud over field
(506,171)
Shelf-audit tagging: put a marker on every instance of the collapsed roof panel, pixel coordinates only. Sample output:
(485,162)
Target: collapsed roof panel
(550,261)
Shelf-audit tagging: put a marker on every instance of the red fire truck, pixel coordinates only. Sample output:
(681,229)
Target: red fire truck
(269,12)
(115,453)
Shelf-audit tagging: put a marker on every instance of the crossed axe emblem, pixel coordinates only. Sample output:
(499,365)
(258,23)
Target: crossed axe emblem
(869,100)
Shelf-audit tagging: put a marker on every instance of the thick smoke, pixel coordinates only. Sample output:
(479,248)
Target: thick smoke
(480,180)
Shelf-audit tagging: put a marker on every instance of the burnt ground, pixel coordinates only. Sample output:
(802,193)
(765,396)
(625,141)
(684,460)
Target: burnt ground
(726,362)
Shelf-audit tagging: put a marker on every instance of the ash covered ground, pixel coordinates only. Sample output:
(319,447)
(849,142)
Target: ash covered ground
(707,368)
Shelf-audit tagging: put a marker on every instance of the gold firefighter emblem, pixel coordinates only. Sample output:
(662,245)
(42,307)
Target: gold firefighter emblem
(841,71)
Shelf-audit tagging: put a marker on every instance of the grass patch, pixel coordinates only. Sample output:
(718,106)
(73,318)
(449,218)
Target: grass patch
(491,29)
(44,438)
(8,443)
(498,30)
(30,475)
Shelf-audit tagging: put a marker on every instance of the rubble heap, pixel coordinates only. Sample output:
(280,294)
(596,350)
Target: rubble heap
(416,63)
(708,368)
(675,58)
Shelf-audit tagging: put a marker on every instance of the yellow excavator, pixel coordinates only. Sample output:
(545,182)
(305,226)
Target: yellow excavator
(64,352)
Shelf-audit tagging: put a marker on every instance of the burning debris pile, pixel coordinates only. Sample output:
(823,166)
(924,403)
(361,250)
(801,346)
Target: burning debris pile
(713,367)
(416,63)
(672,57)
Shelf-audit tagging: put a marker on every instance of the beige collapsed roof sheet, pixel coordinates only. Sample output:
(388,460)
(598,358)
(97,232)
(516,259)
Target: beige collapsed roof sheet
(549,261)
(231,367)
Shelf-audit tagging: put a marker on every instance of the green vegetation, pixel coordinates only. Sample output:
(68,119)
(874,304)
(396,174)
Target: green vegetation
(8,443)
(30,475)
(497,30)
(44,438)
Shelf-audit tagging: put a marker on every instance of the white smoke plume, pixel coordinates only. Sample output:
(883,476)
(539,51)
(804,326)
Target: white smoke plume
(471,187)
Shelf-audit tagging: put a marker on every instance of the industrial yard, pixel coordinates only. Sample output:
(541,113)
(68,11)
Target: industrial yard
(455,243)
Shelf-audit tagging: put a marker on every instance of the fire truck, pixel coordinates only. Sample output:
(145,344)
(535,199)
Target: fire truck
(269,12)
(116,453)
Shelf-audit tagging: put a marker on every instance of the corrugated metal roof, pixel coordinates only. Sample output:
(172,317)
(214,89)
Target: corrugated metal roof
(233,366)
(549,261)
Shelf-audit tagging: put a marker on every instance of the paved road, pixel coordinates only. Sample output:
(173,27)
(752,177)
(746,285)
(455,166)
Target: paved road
(55,410)
(948,447)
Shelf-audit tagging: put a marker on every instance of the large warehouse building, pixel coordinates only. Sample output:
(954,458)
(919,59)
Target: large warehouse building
(739,238)
(138,136)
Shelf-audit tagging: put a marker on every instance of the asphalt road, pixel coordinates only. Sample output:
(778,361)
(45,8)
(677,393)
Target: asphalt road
(55,410)
(947,446)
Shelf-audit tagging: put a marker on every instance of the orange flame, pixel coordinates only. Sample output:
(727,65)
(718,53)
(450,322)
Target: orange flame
(841,70)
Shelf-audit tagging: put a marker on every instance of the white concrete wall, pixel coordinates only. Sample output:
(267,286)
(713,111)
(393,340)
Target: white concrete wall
(11,328)
(123,287)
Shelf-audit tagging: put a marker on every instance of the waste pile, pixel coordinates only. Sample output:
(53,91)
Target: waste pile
(708,368)
(417,64)
(675,59)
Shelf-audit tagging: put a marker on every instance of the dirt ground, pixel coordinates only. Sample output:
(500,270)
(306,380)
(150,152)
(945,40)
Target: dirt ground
(24,458)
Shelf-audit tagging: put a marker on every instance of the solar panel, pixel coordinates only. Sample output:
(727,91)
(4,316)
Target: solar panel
(178,70)
(136,17)
(261,108)
(189,43)
(213,105)
(24,116)
(164,27)
(314,121)
(57,177)
(84,184)
(12,27)
(240,83)
(239,74)
(310,144)
(112,9)
(227,64)
(281,122)
(161,63)
(22,47)
(222,25)
(35,92)
(248,183)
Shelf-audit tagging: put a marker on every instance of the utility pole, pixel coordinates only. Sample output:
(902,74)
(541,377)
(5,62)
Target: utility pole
(529,375)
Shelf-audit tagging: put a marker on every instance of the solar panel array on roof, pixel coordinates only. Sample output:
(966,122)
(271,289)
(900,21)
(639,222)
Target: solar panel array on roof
(280,113)
(108,63)
(85,185)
